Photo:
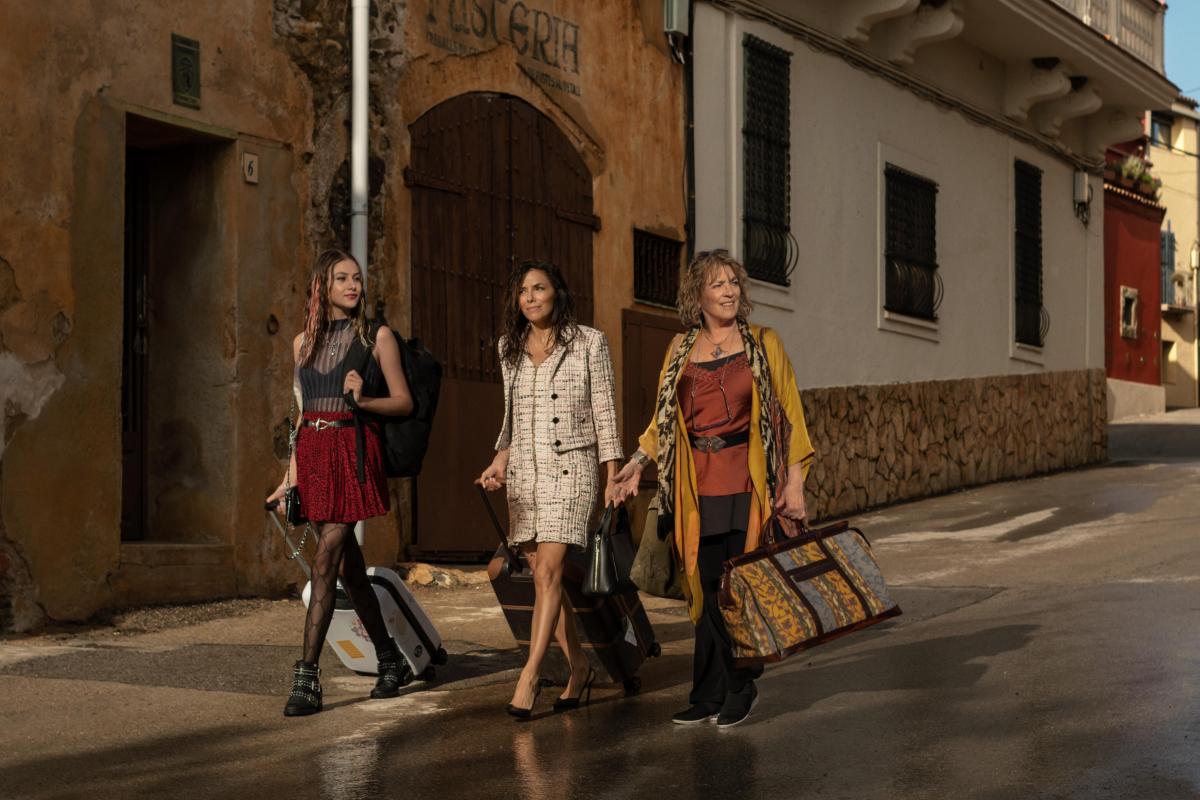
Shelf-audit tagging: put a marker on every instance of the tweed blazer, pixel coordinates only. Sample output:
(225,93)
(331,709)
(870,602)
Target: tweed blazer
(582,396)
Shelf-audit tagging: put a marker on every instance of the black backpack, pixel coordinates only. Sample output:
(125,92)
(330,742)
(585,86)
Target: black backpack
(405,439)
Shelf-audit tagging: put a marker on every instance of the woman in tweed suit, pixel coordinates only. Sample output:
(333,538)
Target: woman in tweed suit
(560,424)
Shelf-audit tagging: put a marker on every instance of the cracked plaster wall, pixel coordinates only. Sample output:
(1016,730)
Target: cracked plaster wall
(77,73)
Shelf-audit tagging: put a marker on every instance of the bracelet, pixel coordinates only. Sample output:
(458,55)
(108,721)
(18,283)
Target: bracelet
(641,458)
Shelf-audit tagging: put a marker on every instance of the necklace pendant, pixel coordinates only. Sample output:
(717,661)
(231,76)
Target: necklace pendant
(717,352)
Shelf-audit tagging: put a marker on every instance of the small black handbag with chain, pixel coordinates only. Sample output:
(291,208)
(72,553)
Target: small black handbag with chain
(610,554)
(292,510)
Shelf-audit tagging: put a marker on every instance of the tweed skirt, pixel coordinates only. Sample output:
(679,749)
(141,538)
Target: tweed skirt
(552,496)
(327,473)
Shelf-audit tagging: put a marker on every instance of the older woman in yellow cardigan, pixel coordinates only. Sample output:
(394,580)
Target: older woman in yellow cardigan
(726,394)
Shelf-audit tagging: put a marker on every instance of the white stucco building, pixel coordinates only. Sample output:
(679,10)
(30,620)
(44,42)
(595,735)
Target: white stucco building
(916,185)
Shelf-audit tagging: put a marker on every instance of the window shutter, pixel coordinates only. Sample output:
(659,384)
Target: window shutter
(912,285)
(768,249)
(1032,320)
(1167,265)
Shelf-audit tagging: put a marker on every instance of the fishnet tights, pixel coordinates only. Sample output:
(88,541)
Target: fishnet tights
(338,555)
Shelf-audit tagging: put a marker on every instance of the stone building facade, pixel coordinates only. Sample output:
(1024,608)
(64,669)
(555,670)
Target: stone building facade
(170,171)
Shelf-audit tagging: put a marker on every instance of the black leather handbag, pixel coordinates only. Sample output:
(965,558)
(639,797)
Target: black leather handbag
(610,554)
(292,510)
(291,507)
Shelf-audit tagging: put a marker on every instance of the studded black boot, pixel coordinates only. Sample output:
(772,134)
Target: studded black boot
(305,698)
(394,672)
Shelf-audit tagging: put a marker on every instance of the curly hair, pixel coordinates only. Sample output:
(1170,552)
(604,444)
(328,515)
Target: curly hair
(316,305)
(515,328)
(693,277)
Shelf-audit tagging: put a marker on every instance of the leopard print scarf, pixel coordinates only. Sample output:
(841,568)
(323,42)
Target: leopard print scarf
(771,424)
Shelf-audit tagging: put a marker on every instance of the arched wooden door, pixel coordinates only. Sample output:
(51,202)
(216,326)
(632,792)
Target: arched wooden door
(494,182)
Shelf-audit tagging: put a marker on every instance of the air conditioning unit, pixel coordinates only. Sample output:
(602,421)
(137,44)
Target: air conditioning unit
(675,17)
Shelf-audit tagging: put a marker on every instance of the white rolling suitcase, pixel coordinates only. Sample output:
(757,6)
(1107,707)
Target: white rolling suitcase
(407,622)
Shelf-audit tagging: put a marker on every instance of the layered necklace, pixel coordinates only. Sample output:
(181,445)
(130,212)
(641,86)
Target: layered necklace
(718,350)
(335,342)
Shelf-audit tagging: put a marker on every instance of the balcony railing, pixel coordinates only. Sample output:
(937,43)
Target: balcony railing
(1135,25)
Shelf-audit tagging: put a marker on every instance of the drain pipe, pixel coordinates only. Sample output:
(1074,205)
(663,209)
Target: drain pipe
(359,90)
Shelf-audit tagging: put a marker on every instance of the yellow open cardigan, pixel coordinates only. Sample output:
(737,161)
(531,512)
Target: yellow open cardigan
(687,503)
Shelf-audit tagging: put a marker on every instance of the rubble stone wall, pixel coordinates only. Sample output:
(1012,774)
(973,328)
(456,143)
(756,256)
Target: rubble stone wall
(882,444)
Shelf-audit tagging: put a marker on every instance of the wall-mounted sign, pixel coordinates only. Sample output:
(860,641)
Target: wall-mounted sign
(250,167)
(185,71)
(547,44)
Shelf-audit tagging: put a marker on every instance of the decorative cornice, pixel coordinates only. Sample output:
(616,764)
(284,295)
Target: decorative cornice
(1119,62)
(827,43)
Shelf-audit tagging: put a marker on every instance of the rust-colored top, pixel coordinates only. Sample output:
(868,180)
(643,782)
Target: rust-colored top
(715,398)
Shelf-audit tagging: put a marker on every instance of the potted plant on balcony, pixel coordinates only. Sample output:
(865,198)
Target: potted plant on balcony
(1134,174)
(1130,172)
(1150,185)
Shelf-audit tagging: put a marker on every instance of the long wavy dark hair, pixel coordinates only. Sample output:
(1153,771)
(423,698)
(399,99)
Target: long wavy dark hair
(316,305)
(515,328)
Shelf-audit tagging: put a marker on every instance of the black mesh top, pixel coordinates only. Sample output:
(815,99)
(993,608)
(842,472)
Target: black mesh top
(321,382)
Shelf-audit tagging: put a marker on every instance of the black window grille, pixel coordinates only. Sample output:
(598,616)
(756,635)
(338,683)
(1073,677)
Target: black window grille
(1167,265)
(912,285)
(655,268)
(1032,320)
(769,250)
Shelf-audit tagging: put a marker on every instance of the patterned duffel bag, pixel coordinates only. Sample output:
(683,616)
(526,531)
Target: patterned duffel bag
(792,594)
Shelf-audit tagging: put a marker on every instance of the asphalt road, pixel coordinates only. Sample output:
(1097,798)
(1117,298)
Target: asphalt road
(1048,649)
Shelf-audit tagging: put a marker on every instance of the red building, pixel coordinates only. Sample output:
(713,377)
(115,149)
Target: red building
(1132,284)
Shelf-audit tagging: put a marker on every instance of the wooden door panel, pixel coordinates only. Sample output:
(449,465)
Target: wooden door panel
(494,182)
(453,523)
(645,339)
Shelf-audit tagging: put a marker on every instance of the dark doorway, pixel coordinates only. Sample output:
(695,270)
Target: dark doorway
(494,182)
(134,364)
(174,332)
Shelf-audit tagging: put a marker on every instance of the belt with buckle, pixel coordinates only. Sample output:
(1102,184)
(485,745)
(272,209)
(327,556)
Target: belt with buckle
(715,444)
(322,424)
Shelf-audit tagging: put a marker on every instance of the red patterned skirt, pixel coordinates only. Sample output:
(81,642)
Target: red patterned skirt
(327,473)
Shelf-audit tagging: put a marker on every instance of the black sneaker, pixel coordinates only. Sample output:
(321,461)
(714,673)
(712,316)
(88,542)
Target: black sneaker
(737,707)
(305,698)
(394,672)
(701,712)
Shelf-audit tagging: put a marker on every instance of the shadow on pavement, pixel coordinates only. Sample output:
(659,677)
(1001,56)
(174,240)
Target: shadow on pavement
(948,662)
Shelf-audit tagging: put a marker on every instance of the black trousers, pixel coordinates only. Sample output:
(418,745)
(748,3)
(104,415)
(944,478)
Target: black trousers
(713,673)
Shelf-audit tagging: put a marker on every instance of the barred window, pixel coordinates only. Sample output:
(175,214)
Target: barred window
(655,268)
(912,285)
(768,248)
(1032,320)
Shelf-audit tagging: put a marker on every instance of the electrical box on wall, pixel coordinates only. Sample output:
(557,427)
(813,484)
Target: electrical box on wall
(675,17)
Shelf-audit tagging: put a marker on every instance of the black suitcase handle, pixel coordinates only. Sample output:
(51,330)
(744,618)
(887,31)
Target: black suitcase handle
(514,560)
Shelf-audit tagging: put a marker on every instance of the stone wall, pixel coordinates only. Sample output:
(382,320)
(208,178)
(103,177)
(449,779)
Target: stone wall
(882,444)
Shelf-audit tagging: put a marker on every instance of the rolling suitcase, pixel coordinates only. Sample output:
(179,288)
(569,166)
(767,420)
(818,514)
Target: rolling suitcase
(407,622)
(615,631)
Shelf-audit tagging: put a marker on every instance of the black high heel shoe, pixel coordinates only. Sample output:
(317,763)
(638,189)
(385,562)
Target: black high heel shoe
(526,713)
(570,703)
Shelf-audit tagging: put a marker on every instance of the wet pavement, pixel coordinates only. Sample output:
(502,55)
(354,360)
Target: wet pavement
(1048,649)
